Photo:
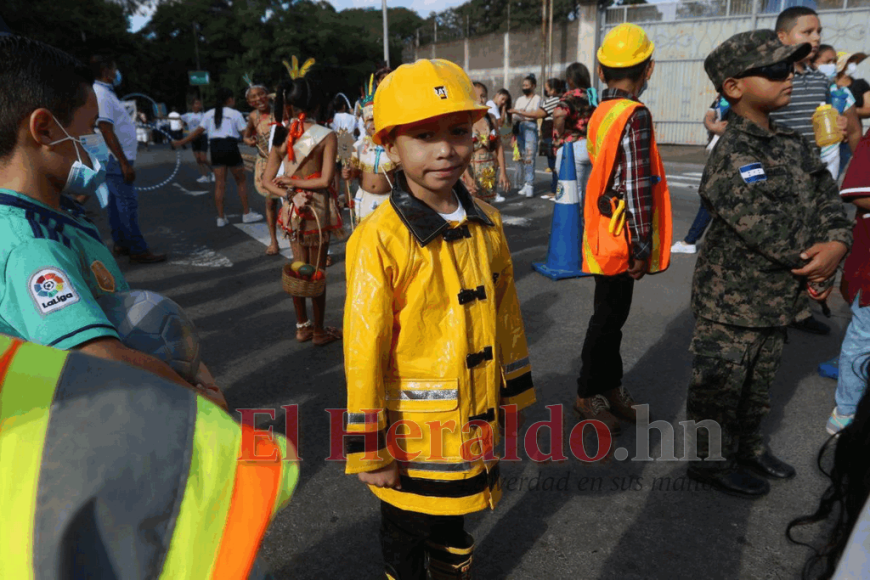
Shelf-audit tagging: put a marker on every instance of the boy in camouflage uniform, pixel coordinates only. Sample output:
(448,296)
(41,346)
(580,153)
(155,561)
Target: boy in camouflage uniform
(778,224)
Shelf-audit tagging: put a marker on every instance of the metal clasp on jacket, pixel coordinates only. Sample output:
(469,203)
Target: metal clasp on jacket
(454,234)
(475,359)
(467,296)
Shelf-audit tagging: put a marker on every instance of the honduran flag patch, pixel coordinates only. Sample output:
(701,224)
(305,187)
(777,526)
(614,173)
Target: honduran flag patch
(752,173)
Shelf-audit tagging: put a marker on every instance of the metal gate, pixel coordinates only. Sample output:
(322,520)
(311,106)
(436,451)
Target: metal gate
(684,33)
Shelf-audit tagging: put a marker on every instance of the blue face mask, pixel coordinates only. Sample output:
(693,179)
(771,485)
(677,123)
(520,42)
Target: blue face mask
(84,180)
(118,78)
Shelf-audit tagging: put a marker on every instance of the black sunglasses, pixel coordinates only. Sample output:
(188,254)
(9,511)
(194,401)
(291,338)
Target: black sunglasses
(772,72)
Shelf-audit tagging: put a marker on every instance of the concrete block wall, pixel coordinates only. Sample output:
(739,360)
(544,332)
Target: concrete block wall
(504,59)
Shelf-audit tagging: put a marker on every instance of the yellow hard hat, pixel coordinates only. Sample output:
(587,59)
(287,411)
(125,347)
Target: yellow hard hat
(625,46)
(419,91)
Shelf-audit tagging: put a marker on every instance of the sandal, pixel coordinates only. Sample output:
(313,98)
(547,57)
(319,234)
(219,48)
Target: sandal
(304,332)
(329,335)
(272,251)
(328,261)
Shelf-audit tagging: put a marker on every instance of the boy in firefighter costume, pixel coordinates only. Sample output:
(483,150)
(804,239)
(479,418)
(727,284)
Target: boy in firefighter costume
(369,163)
(437,333)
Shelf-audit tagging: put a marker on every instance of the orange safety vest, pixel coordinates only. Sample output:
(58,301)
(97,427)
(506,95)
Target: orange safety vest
(605,251)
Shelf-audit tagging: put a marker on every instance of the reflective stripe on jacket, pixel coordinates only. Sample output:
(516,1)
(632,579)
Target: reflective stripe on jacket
(109,471)
(434,333)
(605,251)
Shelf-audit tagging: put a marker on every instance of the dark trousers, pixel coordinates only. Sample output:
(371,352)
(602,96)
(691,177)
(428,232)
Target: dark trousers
(124,210)
(702,220)
(405,535)
(551,163)
(732,371)
(601,363)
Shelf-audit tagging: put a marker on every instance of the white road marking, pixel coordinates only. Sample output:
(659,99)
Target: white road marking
(187,192)
(202,257)
(260,232)
(516,221)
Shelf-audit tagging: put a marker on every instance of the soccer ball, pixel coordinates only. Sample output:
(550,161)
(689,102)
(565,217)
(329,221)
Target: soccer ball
(155,325)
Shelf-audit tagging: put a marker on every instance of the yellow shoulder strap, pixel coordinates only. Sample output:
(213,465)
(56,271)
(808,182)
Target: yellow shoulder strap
(604,119)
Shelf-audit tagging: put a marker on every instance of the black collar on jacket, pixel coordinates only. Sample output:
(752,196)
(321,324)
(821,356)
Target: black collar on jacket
(423,221)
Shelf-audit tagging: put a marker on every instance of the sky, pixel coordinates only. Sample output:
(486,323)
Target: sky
(422,7)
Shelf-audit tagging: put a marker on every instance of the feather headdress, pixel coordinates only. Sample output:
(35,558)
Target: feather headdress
(295,71)
(369,96)
(251,86)
(368,101)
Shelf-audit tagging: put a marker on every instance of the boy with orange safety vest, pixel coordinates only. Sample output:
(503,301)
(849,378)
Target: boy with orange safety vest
(627,218)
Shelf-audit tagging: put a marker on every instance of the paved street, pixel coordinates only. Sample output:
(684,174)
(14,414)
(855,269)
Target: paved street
(619,521)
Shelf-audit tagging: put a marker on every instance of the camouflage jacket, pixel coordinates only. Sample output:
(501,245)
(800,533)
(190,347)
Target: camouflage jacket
(771,198)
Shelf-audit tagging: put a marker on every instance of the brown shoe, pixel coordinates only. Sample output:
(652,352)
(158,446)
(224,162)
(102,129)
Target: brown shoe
(598,408)
(147,258)
(620,403)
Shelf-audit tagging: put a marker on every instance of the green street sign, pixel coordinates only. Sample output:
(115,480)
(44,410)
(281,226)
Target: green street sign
(198,77)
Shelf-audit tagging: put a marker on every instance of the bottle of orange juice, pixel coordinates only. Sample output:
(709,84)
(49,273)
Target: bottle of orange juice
(825,126)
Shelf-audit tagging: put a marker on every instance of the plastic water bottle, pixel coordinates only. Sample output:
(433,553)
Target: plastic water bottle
(839,99)
(723,107)
(825,126)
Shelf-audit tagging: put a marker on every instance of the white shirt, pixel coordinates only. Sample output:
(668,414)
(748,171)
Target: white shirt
(530,104)
(232,125)
(175,123)
(193,120)
(494,110)
(344,121)
(111,110)
(456,216)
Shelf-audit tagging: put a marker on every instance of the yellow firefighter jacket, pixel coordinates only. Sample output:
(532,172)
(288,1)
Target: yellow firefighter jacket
(434,344)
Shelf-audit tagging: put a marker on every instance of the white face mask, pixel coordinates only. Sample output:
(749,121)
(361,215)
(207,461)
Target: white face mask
(829,70)
(851,68)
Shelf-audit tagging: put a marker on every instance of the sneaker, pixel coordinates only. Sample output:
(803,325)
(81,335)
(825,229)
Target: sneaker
(838,422)
(203,179)
(548,170)
(598,408)
(251,217)
(621,404)
(498,199)
(221,222)
(212,178)
(683,248)
(527,191)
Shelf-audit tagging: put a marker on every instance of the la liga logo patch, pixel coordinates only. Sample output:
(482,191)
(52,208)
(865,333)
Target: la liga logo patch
(52,290)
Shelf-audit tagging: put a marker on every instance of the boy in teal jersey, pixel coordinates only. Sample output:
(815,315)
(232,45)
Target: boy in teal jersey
(54,264)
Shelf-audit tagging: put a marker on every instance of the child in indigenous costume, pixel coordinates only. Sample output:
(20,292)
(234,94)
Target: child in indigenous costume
(370,164)
(301,169)
(257,135)
(487,161)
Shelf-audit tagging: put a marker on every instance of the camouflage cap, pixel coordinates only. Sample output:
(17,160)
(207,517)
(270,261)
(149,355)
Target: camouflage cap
(749,50)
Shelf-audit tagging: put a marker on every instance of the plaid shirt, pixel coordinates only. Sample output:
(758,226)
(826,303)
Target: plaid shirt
(631,175)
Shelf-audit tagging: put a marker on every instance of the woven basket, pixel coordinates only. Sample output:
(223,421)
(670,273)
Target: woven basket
(305,288)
